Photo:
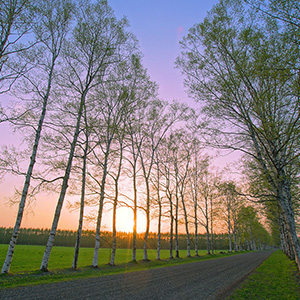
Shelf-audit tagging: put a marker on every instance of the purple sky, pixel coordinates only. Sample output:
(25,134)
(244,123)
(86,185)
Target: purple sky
(159,25)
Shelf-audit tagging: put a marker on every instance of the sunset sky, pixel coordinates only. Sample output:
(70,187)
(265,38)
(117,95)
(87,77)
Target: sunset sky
(159,25)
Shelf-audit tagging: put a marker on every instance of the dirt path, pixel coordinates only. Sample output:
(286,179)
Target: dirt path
(212,279)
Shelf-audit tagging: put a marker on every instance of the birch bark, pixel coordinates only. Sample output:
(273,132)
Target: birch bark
(169,196)
(159,207)
(82,199)
(46,256)
(100,208)
(211,226)
(176,216)
(258,102)
(56,26)
(116,180)
(97,43)
(17,19)
(171,227)
(229,228)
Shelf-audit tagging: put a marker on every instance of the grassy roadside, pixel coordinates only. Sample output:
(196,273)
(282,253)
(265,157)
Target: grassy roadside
(274,279)
(26,262)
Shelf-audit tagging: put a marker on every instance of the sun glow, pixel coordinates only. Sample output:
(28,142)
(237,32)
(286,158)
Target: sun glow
(125,220)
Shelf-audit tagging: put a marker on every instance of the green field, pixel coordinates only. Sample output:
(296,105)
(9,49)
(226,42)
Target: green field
(27,259)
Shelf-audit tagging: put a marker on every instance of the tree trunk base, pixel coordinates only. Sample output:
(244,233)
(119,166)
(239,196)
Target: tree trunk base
(44,269)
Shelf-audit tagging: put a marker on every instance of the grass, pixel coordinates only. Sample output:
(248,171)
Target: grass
(274,279)
(27,259)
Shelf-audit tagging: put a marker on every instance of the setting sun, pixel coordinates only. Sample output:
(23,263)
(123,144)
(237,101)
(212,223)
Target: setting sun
(125,220)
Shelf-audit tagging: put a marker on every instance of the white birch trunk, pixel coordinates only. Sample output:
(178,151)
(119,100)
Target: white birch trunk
(159,213)
(207,225)
(248,244)
(207,238)
(240,241)
(284,199)
(45,260)
(100,211)
(81,212)
(145,252)
(176,228)
(171,227)
(291,226)
(196,202)
(12,243)
(229,229)
(101,202)
(97,237)
(114,245)
(196,227)
(188,243)
(211,227)
(235,242)
(159,233)
(134,231)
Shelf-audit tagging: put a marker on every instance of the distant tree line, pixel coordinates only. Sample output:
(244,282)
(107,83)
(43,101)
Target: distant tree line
(37,236)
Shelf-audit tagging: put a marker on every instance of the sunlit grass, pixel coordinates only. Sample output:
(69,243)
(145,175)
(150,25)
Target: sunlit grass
(274,279)
(27,259)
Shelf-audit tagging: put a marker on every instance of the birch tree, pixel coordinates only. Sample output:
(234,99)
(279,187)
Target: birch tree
(116,178)
(243,69)
(228,206)
(86,131)
(182,161)
(94,46)
(16,23)
(198,171)
(117,103)
(51,32)
(133,85)
(145,91)
(158,199)
(134,146)
(168,185)
(160,118)
(204,186)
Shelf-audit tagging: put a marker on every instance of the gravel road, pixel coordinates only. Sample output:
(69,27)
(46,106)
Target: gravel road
(211,279)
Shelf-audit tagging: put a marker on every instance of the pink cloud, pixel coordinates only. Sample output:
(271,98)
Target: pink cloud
(179,30)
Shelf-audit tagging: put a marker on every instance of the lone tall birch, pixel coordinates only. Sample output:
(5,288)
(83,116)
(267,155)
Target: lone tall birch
(55,18)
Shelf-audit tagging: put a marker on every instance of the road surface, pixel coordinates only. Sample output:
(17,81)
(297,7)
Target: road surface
(211,279)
